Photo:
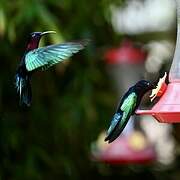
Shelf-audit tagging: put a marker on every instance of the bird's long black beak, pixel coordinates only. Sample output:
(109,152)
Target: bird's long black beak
(47,32)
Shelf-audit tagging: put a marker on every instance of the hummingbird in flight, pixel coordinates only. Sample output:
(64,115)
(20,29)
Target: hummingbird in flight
(42,58)
(126,108)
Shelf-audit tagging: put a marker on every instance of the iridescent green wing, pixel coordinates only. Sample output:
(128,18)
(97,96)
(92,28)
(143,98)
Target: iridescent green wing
(128,107)
(46,57)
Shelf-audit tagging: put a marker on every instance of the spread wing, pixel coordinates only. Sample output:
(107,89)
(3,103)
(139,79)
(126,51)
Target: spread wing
(46,57)
(121,117)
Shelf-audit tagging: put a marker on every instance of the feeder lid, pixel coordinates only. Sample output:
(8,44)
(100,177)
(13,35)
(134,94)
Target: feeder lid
(126,53)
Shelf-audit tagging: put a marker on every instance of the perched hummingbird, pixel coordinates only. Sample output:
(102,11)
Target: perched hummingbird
(42,58)
(126,108)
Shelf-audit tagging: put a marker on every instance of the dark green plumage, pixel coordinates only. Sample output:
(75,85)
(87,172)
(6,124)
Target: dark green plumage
(42,58)
(128,104)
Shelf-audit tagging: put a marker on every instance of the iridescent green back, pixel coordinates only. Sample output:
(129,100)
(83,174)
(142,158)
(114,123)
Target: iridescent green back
(128,107)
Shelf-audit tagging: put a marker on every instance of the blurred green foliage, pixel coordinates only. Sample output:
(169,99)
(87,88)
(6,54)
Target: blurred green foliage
(72,102)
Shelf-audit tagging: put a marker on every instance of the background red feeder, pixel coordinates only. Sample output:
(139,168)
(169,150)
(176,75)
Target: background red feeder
(167,109)
(127,53)
(133,149)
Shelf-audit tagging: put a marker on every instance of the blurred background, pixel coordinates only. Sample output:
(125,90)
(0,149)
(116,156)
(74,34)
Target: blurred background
(74,101)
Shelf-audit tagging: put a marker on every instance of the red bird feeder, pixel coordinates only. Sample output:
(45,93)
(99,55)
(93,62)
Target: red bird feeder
(134,148)
(167,109)
(127,53)
(125,150)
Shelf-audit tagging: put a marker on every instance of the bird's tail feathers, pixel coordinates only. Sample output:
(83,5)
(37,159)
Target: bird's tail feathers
(23,87)
(115,128)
